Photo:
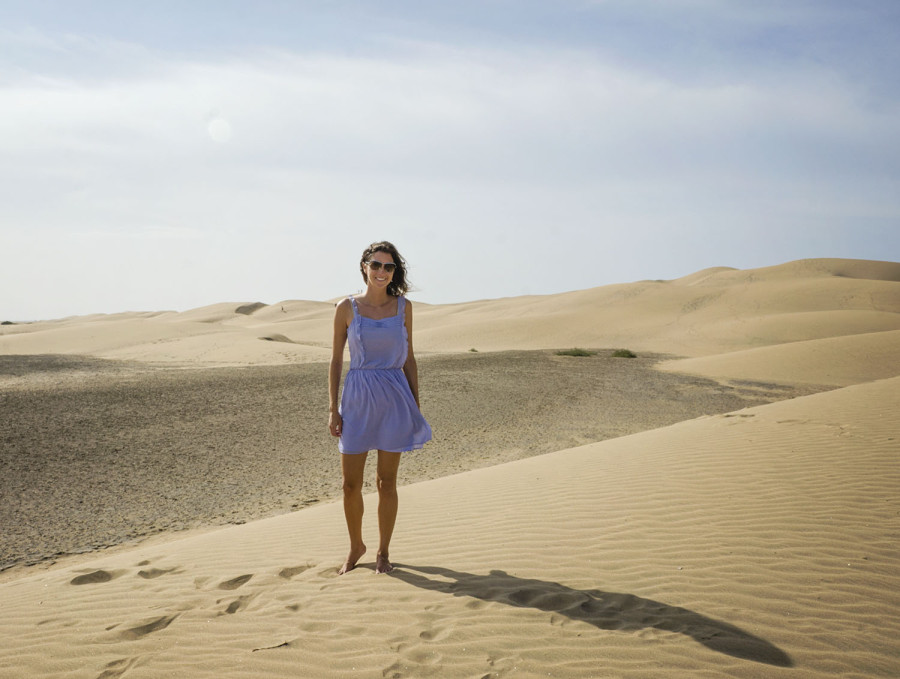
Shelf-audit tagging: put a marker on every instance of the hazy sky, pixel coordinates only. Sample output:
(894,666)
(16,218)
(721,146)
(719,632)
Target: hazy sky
(171,154)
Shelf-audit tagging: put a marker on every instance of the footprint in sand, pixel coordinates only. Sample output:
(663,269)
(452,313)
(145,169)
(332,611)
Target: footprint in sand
(140,631)
(95,577)
(238,604)
(421,660)
(117,668)
(329,572)
(288,573)
(434,634)
(234,583)
(152,573)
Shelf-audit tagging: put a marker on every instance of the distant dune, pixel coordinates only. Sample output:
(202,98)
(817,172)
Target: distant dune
(837,306)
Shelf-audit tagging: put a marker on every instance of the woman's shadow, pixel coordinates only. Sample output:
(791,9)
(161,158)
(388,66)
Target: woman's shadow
(605,610)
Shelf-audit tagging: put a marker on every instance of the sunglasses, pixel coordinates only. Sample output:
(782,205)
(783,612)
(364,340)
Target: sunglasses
(375,265)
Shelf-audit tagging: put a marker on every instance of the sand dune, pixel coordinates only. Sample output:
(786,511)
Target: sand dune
(714,311)
(836,361)
(207,336)
(711,312)
(759,543)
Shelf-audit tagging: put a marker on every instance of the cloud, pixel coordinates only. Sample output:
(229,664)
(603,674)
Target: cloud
(488,152)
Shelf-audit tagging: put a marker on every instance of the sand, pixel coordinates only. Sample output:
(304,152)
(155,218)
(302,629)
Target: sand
(734,540)
(708,313)
(100,453)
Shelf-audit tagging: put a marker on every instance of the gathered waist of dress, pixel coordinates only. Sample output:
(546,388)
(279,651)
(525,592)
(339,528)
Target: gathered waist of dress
(365,367)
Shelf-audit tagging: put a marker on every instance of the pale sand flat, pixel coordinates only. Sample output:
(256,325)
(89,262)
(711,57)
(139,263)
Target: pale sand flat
(762,543)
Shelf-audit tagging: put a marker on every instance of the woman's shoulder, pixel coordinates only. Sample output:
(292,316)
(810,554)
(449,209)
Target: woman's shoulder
(344,308)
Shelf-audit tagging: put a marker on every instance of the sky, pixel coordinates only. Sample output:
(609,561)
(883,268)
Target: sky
(171,155)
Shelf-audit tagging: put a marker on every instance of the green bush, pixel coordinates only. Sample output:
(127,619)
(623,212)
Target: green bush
(624,353)
(575,352)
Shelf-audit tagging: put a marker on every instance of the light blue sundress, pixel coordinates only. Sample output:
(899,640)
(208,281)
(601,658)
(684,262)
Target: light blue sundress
(378,409)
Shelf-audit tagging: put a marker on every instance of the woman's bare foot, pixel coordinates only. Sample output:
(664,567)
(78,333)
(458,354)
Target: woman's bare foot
(383,564)
(354,556)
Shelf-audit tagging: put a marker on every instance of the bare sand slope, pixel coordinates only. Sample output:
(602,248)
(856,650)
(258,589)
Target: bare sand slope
(207,336)
(761,543)
(837,361)
(710,312)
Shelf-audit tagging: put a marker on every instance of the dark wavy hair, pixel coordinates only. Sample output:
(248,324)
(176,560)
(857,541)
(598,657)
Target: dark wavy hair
(399,284)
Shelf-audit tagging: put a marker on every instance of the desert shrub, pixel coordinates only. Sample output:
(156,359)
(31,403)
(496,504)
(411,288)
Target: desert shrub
(575,352)
(624,353)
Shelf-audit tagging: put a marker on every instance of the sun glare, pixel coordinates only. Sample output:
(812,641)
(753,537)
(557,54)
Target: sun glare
(219,130)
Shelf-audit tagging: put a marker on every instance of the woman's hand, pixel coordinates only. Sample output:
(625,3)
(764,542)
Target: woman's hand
(335,423)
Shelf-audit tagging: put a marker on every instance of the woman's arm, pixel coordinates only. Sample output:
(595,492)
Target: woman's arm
(342,317)
(410,369)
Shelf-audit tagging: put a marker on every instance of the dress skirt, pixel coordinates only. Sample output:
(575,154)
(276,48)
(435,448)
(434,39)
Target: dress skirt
(380,413)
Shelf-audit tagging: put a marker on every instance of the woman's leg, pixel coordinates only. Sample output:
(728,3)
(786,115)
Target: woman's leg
(353,470)
(386,477)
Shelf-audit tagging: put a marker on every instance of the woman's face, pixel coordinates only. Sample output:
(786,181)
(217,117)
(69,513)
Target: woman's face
(377,274)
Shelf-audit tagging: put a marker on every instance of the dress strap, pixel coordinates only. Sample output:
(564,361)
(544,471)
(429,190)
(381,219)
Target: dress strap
(354,336)
(401,305)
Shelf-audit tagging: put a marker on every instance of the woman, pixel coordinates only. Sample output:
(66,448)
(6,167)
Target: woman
(379,407)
